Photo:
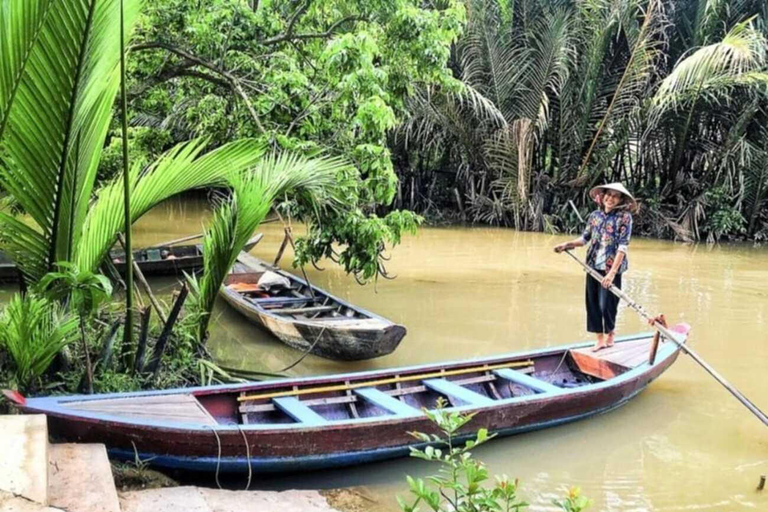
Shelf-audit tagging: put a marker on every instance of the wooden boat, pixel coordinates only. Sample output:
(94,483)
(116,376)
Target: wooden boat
(8,271)
(170,260)
(319,422)
(308,318)
(162,260)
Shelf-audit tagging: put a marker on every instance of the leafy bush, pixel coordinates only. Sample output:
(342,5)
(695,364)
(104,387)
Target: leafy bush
(458,486)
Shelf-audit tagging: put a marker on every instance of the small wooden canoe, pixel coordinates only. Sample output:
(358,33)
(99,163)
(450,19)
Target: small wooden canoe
(320,422)
(160,260)
(170,260)
(305,319)
(8,271)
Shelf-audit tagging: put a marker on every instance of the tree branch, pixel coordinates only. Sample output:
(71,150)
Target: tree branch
(233,81)
(289,31)
(290,36)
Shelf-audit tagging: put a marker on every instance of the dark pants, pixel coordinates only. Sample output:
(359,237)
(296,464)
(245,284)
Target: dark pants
(602,305)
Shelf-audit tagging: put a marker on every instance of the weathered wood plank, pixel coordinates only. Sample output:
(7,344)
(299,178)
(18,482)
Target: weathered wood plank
(175,407)
(303,311)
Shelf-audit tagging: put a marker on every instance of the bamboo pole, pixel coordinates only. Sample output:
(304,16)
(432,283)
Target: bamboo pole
(381,382)
(143,282)
(673,336)
(128,332)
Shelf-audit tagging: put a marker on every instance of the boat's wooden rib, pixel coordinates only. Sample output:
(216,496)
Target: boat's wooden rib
(318,422)
(306,317)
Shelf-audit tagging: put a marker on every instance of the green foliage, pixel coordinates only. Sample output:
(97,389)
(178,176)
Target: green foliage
(574,502)
(668,97)
(721,216)
(460,483)
(33,330)
(60,74)
(82,292)
(325,78)
(312,181)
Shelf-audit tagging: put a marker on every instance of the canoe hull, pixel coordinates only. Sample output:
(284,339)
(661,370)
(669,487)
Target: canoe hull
(363,340)
(281,448)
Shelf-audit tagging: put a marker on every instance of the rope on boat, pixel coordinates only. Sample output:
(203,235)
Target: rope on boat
(391,380)
(247,458)
(306,353)
(218,457)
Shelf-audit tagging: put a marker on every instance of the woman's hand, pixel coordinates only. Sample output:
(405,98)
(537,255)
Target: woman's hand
(608,279)
(562,247)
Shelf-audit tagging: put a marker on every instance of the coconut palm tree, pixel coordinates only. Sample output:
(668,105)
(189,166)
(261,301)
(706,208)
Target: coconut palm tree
(667,96)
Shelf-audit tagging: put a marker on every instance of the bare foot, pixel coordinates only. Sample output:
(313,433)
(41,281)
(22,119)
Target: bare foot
(599,346)
(609,339)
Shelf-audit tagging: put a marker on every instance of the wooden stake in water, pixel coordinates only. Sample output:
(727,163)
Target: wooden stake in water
(670,335)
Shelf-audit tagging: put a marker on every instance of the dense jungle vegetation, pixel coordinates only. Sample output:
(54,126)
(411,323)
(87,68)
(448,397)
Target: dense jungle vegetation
(489,111)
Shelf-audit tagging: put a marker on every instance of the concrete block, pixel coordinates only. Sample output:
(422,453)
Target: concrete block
(172,499)
(80,478)
(24,461)
(12,503)
(195,499)
(265,501)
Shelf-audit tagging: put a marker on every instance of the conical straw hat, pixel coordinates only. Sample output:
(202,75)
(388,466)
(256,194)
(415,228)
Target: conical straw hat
(628,198)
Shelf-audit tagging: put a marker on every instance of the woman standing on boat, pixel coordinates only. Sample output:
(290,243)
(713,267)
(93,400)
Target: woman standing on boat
(608,231)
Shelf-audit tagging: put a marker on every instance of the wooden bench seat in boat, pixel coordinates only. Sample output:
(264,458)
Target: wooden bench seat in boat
(527,381)
(387,402)
(304,311)
(301,413)
(452,390)
(283,301)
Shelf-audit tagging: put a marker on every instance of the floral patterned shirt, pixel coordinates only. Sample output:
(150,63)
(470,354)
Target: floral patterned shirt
(607,234)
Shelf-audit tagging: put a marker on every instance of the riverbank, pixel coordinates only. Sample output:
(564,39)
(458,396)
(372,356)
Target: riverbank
(37,476)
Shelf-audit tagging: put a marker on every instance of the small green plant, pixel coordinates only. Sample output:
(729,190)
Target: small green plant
(82,292)
(32,331)
(574,502)
(459,484)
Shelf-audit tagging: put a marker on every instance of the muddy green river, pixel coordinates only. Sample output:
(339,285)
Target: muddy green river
(683,444)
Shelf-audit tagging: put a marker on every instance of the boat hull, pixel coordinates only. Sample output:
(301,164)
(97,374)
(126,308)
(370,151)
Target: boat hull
(363,340)
(285,448)
(365,335)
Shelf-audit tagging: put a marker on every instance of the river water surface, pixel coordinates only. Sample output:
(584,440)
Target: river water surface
(683,444)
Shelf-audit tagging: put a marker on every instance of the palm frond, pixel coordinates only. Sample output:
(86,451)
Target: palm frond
(20,24)
(59,115)
(312,180)
(33,330)
(182,168)
(742,52)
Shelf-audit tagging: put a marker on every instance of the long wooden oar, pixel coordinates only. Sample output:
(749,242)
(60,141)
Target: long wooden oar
(674,337)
